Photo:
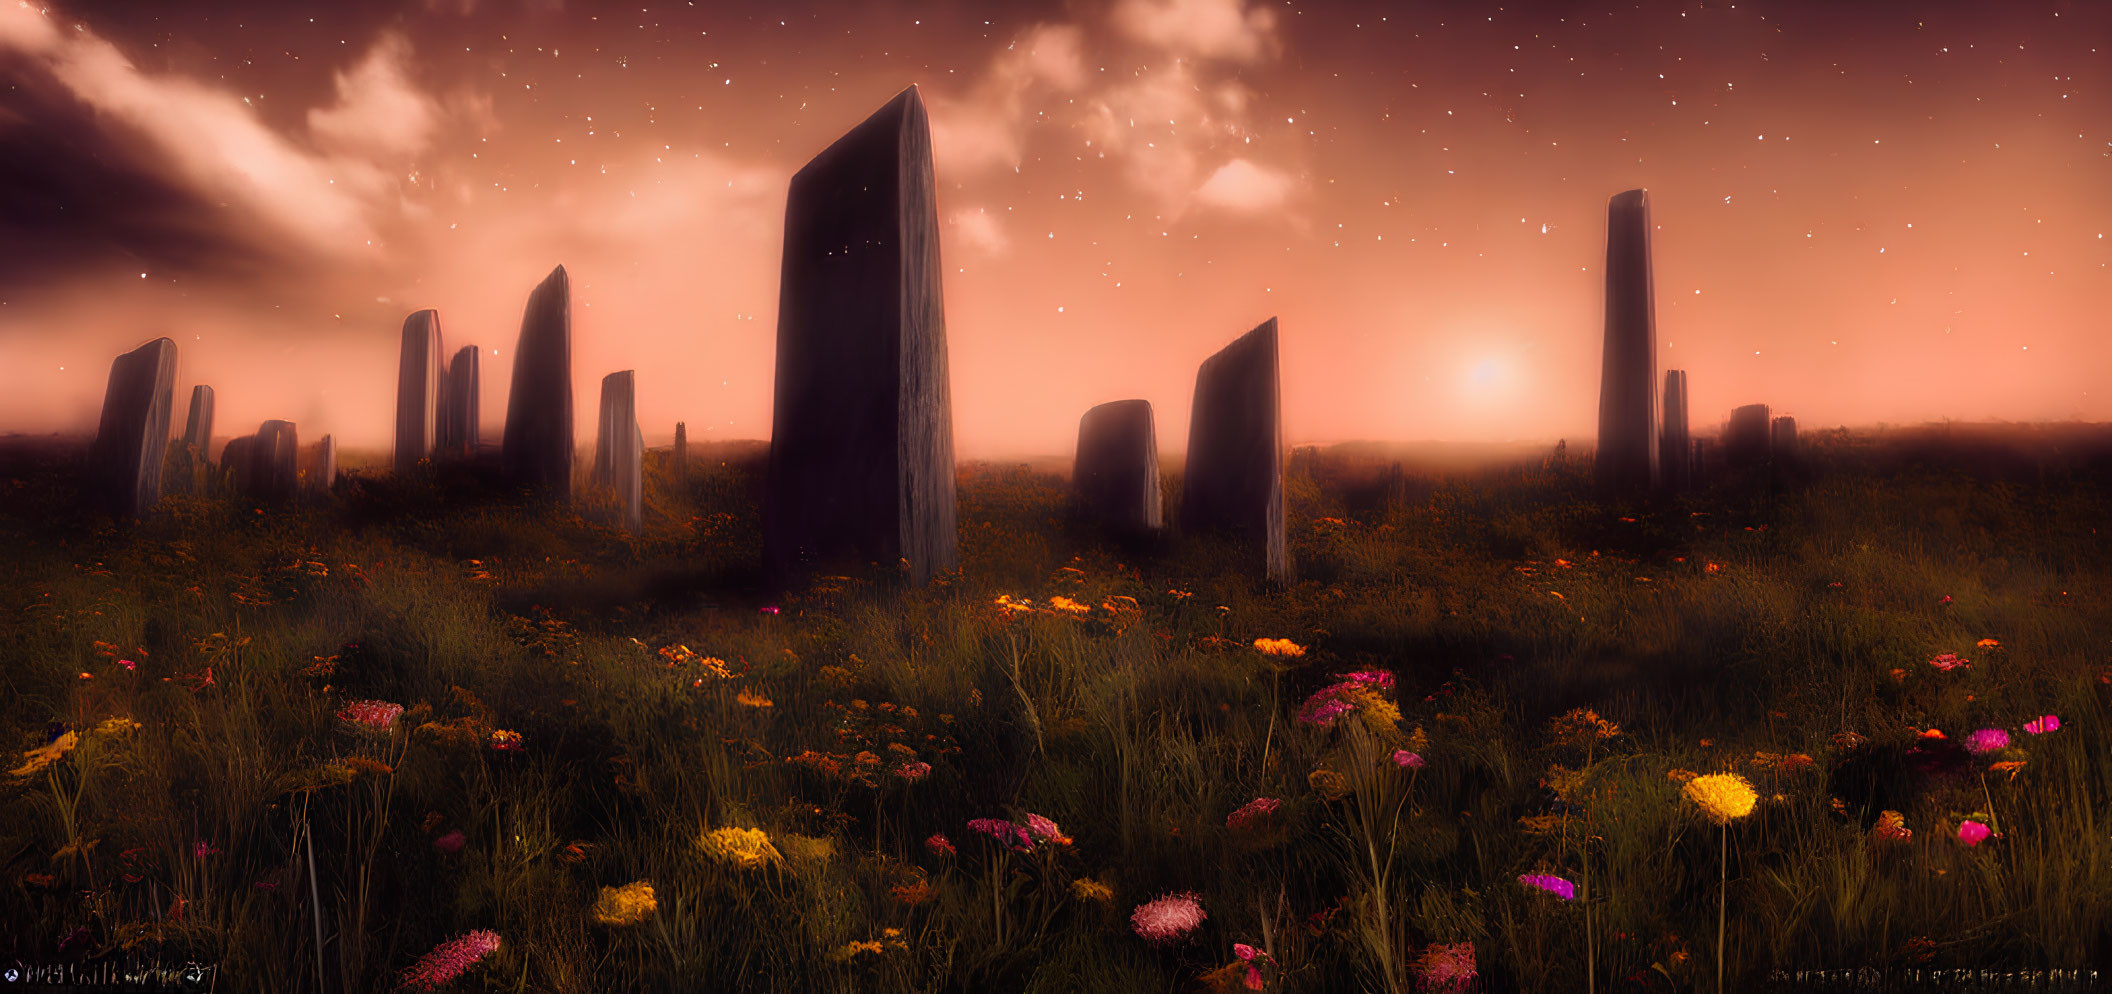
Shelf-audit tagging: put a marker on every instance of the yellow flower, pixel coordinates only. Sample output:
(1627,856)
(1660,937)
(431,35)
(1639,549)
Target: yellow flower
(1722,796)
(850,950)
(741,848)
(1061,603)
(1279,647)
(1891,827)
(1328,784)
(1086,889)
(751,699)
(626,905)
(44,756)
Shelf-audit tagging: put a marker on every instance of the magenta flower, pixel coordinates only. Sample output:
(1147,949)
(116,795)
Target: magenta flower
(1946,598)
(1003,831)
(913,772)
(1046,830)
(1552,884)
(204,849)
(1402,757)
(379,716)
(128,664)
(450,843)
(1986,740)
(2042,724)
(1169,918)
(1972,833)
(451,959)
(1250,955)
(1325,707)
(1370,678)
(1449,969)
(1949,661)
(1252,813)
(770,609)
(939,844)
(1243,951)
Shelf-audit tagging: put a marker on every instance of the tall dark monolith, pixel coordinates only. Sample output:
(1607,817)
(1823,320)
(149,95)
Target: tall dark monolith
(1748,438)
(861,441)
(275,460)
(198,426)
(418,373)
(1784,437)
(1233,482)
(322,466)
(1115,474)
(619,447)
(238,464)
(681,467)
(1627,459)
(1675,452)
(132,439)
(460,405)
(537,449)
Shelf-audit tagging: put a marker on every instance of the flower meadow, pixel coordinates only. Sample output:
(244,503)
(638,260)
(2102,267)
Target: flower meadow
(425,734)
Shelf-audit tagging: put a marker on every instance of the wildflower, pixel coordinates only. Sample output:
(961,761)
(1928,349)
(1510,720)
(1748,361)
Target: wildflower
(1003,831)
(626,905)
(1946,599)
(203,849)
(2010,766)
(1370,678)
(1989,643)
(505,741)
(913,772)
(749,698)
(575,851)
(1328,784)
(1891,827)
(451,959)
(939,844)
(128,664)
(1088,889)
(1722,796)
(1252,814)
(1068,605)
(912,893)
(1949,661)
(2042,724)
(851,950)
(1168,918)
(767,609)
(740,848)
(1324,712)
(1986,740)
(1279,647)
(379,716)
(1972,833)
(1552,884)
(1580,728)
(1248,954)
(450,843)
(1447,969)
(1046,830)
(1402,757)
(47,754)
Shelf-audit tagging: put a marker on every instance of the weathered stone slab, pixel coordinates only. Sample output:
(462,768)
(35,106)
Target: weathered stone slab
(275,463)
(681,468)
(537,449)
(1627,458)
(861,443)
(619,447)
(1233,482)
(418,381)
(238,463)
(1675,454)
(321,474)
(1748,437)
(198,426)
(460,405)
(132,440)
(1115,473)
(1784,437)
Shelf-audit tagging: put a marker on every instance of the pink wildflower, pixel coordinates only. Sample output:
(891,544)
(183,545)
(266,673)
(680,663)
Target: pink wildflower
(451,959)
(1552,884)
(1243,951)
(1972,833)
(204,849)
(1325,706)
(1169,918)
(1003,831)
(913,772)
(1046,830)
(450,843)
(379,716)
(1448,969)
(2042,724)
(768,609)
(1949,661)
(939,844)
(1986,740)
(1371,678)
(1402,757)
(1252,813)
(128,664)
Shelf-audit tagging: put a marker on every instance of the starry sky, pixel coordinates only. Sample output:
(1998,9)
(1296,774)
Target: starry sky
(1867,212)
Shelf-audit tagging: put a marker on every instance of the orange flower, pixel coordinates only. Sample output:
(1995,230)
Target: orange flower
(1279,647)
(1989,643)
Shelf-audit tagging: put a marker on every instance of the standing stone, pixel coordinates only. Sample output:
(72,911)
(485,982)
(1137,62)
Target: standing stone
(1675,444)
(1116,471)
(198,427)
(238,462)
(1234,477)
(537,449)
(1748,437)
(861,440)
(1627,460)
(460,404)
(1700,460)
(418,390)
(322,469)
(619,447)
(1784,437)
(133,438)
(681,451)
(275,463)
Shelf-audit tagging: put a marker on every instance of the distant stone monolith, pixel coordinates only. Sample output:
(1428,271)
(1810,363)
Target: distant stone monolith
(1115,473)
(322,466)
(132,439)
(275,463)
(1784,437)
(198,427)
(1627,459)
(418,374)
(619,447)
(460,405)
(1233,482)
(1675,453)
(681,461)
(861,442)
(537,449)
(1748,437)
(238,464)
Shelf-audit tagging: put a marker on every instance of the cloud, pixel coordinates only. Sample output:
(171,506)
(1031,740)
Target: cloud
(1216,29)
(980,229)
(985,128)
(1242,187)
(379,113)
